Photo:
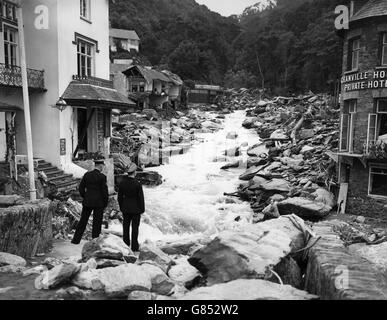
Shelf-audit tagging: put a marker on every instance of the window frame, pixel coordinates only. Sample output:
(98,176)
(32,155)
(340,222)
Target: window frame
(370,173)
(8,44)
(383,50)
(89,66)
(350,109)
(85,10)
(351,52)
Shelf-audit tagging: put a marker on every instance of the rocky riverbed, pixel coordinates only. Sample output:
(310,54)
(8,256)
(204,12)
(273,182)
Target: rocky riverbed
(235,217)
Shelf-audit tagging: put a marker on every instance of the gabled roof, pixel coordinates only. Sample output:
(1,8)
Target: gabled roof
(149,74)
(174,78)
(124,34)
(373,8)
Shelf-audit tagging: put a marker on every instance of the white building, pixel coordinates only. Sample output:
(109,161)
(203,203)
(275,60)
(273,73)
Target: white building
(67,48)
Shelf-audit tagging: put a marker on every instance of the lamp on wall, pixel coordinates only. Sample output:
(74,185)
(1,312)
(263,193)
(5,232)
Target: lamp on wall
(61,105)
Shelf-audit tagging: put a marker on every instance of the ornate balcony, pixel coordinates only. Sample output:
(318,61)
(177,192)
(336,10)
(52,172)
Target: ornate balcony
(10,76)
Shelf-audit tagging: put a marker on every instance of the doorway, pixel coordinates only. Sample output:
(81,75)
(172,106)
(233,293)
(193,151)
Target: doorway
(3,137)
(82,130)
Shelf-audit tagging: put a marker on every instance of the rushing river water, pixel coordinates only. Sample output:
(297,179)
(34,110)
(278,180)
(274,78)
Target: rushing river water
(190,201)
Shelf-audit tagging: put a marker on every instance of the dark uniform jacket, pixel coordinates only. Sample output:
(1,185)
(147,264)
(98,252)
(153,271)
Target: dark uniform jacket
(131,196)
(93,189)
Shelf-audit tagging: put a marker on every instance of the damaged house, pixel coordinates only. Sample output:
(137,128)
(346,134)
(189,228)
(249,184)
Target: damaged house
(363,139)
(71,97)
(149,87)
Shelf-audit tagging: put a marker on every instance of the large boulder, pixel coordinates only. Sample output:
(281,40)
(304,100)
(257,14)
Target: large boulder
(57,276)
(7,259)
(376,254)
(184,273)
(250,173)
(279,135)
(278,185)
(149,252)
(241,254)
(304,208)
(120,281)
(243,289)
(108,246)
(285,225)
(149,178)
(184,246)
(161,283)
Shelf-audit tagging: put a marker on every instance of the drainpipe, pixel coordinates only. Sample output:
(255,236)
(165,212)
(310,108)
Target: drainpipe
(26,102)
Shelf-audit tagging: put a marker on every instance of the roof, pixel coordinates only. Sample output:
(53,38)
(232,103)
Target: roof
(124,34)
(373,8)
(149,74)
(88,95)
(117,68)
(174,78)
(5,107)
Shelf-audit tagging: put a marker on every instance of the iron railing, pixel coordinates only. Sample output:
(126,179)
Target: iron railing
(94,81)
(11,76)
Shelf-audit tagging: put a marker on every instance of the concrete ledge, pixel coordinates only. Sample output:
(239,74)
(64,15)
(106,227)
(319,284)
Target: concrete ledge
(27,229)
(335,273)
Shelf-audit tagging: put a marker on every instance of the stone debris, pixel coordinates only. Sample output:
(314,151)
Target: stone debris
(57,276)
(110,247)
(241,255)
(248,290)
(298,137)
(7,259)
(184,273)
(150,252)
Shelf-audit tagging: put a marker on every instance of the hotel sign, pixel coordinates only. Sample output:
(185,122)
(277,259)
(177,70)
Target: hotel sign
(365,80)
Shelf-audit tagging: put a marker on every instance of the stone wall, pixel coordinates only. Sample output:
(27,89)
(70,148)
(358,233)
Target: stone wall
(358,201)
(27,229)
(335,273)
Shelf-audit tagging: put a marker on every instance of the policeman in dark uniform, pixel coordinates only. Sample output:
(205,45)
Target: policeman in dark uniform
(131,201)
(94,191)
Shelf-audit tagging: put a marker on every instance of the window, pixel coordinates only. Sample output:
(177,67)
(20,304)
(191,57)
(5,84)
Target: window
(384,49)
(353,54)
(377,124)
(10,47)
(347,125)
(85,58)
(134,88)
(378,180)
(142,88)
(85,9)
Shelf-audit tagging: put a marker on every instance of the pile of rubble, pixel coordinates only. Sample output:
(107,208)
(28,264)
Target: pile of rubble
(293,168)
(146,138)
(255,262)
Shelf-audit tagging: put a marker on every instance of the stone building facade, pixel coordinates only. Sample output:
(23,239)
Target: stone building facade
(363,131)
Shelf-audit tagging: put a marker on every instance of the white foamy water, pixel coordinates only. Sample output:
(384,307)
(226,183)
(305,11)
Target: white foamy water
(190,200)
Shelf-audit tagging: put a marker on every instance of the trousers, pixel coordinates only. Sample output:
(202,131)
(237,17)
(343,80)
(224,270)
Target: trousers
(97,223)
(133,221)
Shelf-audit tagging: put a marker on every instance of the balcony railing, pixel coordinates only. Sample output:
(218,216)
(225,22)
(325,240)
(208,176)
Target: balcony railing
(375,150)
(11,76)
(94,81)
(8,11)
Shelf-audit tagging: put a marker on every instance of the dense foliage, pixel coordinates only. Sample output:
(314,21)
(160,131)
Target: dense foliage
(291,47)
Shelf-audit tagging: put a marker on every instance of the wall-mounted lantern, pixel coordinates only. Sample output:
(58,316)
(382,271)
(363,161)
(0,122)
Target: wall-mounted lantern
(61,105)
